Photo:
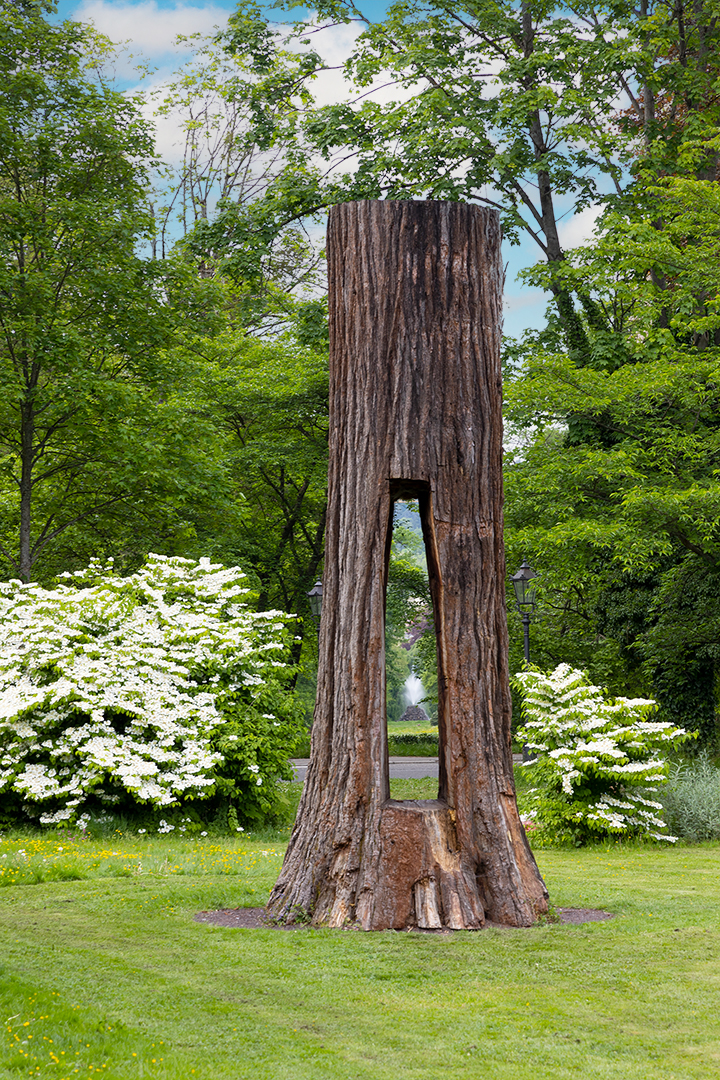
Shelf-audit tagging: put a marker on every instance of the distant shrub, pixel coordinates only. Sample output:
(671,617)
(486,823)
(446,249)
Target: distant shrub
(302,746)
(422,744)
(600,761)
(691,800)
(407,744)
(154,689)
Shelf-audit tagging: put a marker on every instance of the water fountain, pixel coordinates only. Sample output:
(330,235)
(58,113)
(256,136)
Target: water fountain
(413,690)
(413,693)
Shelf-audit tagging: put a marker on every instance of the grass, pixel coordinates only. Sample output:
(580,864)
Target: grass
(414,789)
(395,727)
(103,972)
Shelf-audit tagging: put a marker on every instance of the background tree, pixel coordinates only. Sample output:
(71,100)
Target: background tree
(410,646)
(517,107)
(268,403)
(265,402)
(407,602)
(615,490)
(513,106)
(88,442)
(116,438)
(238,112)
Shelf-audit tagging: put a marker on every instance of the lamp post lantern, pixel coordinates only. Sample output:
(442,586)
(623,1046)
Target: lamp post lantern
(524,586)
(315,596)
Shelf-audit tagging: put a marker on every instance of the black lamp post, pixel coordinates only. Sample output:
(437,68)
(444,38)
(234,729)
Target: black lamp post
(524,586)
(315,598)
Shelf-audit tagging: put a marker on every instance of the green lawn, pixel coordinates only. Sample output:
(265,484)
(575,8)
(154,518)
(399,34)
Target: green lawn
(104,972)
(395,727)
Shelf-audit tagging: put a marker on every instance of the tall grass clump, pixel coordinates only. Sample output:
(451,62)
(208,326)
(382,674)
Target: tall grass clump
(692,800)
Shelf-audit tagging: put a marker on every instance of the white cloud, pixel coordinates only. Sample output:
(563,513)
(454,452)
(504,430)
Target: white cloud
(335,43)
(579,229)
(528,298)
(169,132)
(150,28)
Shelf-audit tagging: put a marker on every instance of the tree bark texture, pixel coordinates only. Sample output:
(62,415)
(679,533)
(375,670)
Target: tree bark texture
(27,461)
(415,411)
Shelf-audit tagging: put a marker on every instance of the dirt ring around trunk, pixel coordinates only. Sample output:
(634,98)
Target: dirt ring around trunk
(257,919)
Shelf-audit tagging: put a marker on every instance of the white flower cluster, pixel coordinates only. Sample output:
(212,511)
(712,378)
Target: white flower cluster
(97,681)
(586,742)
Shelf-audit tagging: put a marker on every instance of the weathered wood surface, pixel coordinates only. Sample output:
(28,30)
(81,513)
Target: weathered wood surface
(415,410)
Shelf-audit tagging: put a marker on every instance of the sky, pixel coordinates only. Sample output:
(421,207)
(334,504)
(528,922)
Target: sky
(149,27)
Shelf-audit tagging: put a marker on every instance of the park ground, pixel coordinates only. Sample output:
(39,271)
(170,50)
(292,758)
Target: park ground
(105,972)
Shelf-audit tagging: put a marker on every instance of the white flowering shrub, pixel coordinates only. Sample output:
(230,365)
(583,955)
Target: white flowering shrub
(150,690)
(599,762)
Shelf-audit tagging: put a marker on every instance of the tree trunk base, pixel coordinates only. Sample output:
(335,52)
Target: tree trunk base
(421,880)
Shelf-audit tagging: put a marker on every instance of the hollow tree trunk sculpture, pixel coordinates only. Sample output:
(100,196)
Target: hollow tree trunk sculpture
(415,411)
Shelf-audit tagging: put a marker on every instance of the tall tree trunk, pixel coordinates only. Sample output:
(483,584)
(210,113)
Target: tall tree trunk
(415,400)
(27,451)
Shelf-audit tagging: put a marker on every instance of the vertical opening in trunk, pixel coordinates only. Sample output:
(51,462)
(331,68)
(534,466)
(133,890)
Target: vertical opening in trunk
(413,703)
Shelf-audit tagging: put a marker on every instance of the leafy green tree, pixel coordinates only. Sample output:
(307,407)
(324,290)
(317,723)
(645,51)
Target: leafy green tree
(510,105)
(267,404)
(613,483)
(241,133)
(397,670)
(86,437)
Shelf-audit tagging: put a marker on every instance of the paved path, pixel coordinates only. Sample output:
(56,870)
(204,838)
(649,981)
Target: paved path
(401,768)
